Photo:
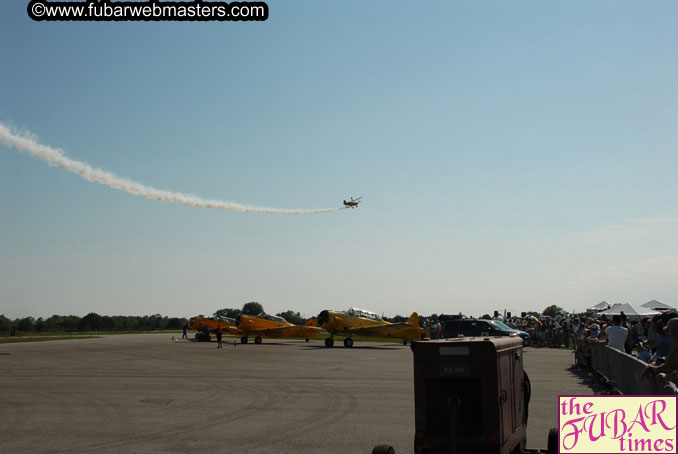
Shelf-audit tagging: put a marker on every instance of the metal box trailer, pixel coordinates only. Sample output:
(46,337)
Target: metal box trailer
(471,396)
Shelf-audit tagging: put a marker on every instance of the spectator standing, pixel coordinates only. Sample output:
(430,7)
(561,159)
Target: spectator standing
(651,341)
(595,331)
(667,373)
(616,334)
(219,332)
(184,335)
(664,343)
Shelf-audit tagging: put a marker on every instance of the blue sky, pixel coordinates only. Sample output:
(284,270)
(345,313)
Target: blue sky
(511,155)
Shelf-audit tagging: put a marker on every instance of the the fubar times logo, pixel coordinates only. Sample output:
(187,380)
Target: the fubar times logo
(617,424)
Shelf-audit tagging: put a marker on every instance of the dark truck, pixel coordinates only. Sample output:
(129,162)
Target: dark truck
(470,327)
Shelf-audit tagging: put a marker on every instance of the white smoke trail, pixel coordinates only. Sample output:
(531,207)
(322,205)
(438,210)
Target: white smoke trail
(55,157)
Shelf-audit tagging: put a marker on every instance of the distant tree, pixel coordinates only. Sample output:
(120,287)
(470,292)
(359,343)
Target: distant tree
(553,311)
(26,324)
(90,322)
(107,323)
(5,323)
(533,313)
(230,313)
(252,308)
(486,317)
(293,317)
(62,323)
(175,323)
(39,325)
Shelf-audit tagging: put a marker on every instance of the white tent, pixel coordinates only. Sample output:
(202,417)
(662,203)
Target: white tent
(632,312)
(603,305)
(657,305)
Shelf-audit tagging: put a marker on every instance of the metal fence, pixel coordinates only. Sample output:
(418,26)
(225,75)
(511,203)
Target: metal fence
(623,369)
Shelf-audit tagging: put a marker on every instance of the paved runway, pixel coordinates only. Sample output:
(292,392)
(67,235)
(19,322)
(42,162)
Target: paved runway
(145,393)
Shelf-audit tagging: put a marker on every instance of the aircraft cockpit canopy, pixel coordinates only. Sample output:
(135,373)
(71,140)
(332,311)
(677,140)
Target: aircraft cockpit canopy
(228,320)
(275,318)
(355,312)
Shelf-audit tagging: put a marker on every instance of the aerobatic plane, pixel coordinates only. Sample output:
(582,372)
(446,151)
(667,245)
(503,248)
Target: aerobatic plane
(353,203)
(358,322)
(272,326)
(228,325)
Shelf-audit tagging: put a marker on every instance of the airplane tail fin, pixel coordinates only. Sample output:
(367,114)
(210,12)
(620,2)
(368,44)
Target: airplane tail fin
(312,322)
(413,320)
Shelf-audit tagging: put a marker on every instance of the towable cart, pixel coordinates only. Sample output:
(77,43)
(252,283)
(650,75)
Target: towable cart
(471,396)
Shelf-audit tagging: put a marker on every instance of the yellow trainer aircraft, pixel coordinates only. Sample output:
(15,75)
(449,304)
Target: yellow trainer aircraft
(228,325)
(272,326)
(358,322)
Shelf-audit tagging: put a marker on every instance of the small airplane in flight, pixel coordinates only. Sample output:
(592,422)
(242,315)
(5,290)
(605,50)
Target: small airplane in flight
(272,326)
(228,325)
(358,322)
(353,203)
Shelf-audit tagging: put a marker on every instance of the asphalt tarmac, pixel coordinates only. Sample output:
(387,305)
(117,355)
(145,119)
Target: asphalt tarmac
(147,393)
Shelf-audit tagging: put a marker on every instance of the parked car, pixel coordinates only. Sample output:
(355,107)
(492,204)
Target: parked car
(471,327)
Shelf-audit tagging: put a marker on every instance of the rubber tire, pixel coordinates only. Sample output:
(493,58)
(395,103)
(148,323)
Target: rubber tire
(348,343)
(404,341)
(307,339)
(329,342)
(257,340)
(243,340)
(552,443)
(383,449)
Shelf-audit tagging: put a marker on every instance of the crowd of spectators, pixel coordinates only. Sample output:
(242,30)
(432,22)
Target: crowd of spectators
(653,341)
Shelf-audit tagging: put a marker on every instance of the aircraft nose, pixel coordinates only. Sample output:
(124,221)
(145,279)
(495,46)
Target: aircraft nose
(323,318)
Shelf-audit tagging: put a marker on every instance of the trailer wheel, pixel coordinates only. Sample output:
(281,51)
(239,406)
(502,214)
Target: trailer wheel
(552,443)
(383,449)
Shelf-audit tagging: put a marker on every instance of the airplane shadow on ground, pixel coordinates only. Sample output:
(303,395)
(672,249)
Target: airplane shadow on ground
(305,345)
(355,347)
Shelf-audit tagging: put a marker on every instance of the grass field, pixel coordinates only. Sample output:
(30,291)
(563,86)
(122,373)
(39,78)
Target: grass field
(5,338)
(16,340)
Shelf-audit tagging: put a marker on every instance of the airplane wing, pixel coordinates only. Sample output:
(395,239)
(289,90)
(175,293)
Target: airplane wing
(392,330)
(287,331)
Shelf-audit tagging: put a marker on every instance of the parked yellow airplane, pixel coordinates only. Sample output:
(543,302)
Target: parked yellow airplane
(272,326)
(357,322)
(228,325)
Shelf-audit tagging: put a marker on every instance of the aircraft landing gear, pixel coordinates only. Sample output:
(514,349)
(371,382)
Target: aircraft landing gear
(257,340)
(307,339)
(329,342)
(348,342)
(243,340)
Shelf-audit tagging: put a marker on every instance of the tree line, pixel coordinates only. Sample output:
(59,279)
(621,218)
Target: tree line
(96,322)
(91,322)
